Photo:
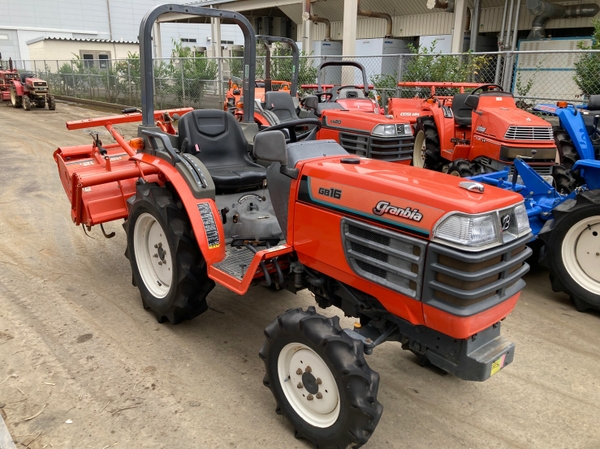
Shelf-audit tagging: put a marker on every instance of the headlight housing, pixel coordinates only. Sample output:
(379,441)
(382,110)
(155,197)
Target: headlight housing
(392,130)
(482,231)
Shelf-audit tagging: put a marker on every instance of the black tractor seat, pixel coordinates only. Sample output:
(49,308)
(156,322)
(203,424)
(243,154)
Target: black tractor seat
(281,104)
(462,112)
(216,138)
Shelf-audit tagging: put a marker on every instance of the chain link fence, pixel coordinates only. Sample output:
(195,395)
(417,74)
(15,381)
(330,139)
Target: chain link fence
(201,82)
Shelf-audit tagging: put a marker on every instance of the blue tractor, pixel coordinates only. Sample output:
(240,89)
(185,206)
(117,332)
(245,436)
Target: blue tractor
(576,136)
(566,225)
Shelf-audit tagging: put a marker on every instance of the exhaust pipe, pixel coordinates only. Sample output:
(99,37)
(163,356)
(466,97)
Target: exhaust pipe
(544,11)
(379,15)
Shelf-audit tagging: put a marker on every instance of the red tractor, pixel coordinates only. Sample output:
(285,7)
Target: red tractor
(435,273)
(476,132)
(7,75)
(350,117)
(27,91)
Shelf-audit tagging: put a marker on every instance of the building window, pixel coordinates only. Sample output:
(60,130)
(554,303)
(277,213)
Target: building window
(186,39)
(98,59)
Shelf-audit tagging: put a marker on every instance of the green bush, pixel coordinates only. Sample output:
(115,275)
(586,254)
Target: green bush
(587,69)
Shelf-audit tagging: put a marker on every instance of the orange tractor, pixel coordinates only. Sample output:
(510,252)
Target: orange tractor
(352,118)
(274,100)
(436,274)
(27,91)
(474,132)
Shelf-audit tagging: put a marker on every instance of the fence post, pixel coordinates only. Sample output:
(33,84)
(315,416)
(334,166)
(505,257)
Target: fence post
(182,83)
(73,72)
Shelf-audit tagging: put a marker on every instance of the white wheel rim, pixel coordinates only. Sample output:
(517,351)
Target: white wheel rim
(13,97)
(152,255)
(318,408)
(419,150)
(581,253)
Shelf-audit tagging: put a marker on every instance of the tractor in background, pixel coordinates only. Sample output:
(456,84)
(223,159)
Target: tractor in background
(8,73)
(356,121)
(274,100)
(576,136)
(435,274)
(475,132)
(28,90)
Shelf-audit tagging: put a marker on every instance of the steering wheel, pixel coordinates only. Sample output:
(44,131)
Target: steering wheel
(347,86)
(487,88)
(328,96)
(291,126)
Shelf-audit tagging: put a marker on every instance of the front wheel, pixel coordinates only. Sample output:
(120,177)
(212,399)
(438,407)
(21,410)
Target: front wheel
(572,250)
(461,168)
(51,103)
(15,99)
(419,149)
(166,262)
(320,379)
(26,103)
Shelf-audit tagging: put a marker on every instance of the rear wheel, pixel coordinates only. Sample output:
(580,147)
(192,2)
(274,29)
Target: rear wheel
(15,99)
(51,103)
(320,379)
(26,103)
(433,159)
(572,251)
(166,263)
(461,168)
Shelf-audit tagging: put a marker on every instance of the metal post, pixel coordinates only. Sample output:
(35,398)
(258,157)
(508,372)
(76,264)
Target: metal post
(182,83)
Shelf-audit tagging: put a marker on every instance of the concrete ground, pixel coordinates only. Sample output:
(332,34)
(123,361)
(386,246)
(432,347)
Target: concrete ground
(82,365)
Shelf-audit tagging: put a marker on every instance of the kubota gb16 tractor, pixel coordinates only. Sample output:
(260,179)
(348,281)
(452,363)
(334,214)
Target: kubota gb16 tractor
(350,117)
(435,273)
(475,132)
(27,91)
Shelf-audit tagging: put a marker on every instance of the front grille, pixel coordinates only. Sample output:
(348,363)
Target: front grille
(383,148)
(387,258)
(40,84)
(465,283)
(529,133)
(542,170)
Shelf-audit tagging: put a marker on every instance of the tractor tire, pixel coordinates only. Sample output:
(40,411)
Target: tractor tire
(320,379)
(41,104)
(26,103)
(564,181)
(433,159)
(51,103)
(461,168)
(419,149)
(567,152)
(572,249)
(15,99)
(166,262)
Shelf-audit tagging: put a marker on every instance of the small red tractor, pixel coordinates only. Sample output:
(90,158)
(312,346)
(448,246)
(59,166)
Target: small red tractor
(350,117)
(435,273)
(474,132)
(274,100)
(7,74)
(27,91)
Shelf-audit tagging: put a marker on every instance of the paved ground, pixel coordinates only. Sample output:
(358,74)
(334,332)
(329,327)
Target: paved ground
(82,365)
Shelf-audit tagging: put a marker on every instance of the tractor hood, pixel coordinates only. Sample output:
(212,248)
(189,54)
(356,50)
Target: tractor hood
(395,194)
(358,120)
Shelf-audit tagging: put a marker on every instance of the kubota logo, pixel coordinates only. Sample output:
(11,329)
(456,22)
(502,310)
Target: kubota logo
(384,207)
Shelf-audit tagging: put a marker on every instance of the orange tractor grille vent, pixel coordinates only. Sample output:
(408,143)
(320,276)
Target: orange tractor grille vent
(529,133)
(387,258)
(466,283)
(382,148)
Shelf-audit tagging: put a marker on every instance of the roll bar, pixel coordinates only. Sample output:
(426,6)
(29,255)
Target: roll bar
(295,59)
(358,65)
(146,60)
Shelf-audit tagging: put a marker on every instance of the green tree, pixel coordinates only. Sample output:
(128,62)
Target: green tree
(587,69)
(191,73)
